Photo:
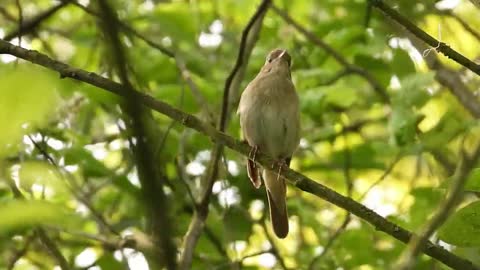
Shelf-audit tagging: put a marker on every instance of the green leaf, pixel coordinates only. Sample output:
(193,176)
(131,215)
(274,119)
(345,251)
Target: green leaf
(237,224)
(473,181)
(90,165)
(463,227)
(107,261)
(402,65)
(402,125)
(449,126)
(27,97)
(413,90)
(22,214)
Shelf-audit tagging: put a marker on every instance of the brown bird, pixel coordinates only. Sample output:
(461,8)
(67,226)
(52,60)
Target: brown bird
(270,122)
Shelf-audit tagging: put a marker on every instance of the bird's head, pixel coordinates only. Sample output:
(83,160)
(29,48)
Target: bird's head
(278,60)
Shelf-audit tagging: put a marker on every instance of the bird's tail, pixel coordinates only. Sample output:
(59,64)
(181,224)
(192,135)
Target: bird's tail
(276,193)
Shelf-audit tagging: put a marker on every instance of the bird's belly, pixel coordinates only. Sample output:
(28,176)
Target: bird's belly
(276,130)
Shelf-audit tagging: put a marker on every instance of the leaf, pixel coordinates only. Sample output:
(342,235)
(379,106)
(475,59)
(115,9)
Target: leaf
(402,125)
(107,261)
(473,181)
(414,89)
(22,214)
(42,173)
(237,224)
(449,126)
(27,97)
(463,227)
(402,65)
(90,165)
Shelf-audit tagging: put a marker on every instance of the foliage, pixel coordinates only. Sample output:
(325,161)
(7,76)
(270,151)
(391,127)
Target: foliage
(65,145)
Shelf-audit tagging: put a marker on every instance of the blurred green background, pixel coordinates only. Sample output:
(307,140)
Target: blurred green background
(65,164)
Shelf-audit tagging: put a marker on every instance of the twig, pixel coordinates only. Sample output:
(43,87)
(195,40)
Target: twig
(299,180)
(417,243)
(20,21)
(30,25)
(463,23)
(382,177)
(449,78)
(18,254)
(376,85)
(411,27)
(274,249)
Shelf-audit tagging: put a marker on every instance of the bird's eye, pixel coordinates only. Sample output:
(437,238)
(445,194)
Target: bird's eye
(269,60)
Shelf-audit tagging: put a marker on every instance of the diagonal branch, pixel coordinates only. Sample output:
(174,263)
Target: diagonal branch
(30,25)
(449,79)
(425,37)
(299,180)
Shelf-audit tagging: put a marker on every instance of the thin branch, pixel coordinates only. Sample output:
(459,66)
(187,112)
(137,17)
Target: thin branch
(20,21)
(336,77)
(463,23)
(417,243)
(18,254)
(382,177)
(425,37)
(449,79)
(299,180)
(274,249)
(30,25)
(376,85)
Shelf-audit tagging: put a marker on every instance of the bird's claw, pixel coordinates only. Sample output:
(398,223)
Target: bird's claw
(253,153)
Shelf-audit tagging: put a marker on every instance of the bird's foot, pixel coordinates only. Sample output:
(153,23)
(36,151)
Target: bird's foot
(253,153)
(281,164)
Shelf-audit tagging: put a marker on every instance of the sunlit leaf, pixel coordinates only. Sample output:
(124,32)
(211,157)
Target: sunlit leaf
(27,98)
(463,227)
(20,214)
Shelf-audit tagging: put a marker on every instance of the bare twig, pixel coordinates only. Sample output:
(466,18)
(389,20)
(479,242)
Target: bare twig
(30,25)
(438,45)
(463,23)
(449,78)
(274,248)
(300,181)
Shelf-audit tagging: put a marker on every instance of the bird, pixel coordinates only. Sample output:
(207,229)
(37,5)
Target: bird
(270,122)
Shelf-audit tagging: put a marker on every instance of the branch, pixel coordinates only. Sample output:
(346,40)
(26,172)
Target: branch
(31,24)
(462,22)
(449,79)
(438,45)
(299,180)
(376,85)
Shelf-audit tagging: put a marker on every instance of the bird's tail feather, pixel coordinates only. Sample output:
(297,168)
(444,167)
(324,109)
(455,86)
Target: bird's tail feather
(276,193)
